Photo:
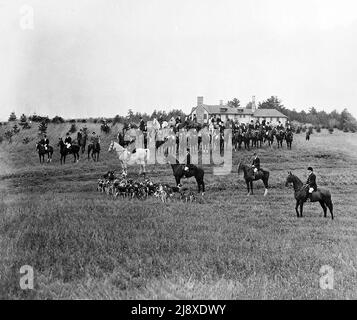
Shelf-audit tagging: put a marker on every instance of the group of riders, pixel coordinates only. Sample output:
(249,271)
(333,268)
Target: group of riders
(310,185)
(68,141)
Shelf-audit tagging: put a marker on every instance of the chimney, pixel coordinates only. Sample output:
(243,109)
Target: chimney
(254,107)
(221,102)
(199,101)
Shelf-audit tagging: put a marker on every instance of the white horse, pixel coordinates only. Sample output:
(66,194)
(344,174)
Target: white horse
(127,158)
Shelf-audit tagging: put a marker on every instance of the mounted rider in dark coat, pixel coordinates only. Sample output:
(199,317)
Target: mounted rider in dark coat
(311,183)
(256,164)
(45,142)
(68,140)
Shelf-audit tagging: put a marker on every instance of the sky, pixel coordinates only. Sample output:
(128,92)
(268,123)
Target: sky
(95,58)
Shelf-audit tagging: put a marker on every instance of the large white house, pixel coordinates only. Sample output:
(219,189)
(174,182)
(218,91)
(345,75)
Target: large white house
(244,115)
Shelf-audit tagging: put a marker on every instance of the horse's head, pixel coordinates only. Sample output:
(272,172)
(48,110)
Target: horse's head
(240,165)
(289,179)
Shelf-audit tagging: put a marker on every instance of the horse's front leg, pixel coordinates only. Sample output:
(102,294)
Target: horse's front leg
(248,188)
(301,208)
(296,208)
(251,187)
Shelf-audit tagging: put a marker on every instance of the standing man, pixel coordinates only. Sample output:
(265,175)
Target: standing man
(311,182)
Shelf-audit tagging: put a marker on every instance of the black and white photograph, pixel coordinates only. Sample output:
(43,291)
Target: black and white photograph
(199,151)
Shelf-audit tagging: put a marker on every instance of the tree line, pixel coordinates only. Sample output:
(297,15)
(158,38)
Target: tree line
(339,120)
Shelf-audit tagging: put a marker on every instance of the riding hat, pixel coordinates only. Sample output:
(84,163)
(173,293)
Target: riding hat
(310,169)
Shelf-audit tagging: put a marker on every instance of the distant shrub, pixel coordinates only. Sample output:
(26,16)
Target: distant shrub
(12,117)
(318,129)
(26,140)
(353,130)
(83,120)
(57,119)
(15,129)
(345,129)
(73,128)
(25,125)
(72,121)
(1,139)
(8,135)
(36,118)
(330,130)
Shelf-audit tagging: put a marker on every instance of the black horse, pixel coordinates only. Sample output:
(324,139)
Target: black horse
(179,172)
(42,151)
(82,142)
(247,136)
(300,192)
(73,149)
(237,139)
(94,150)
(269,136)
(289,139)
(280,136)
(250,176)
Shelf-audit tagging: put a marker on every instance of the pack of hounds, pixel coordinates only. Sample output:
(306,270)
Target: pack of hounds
(120,186)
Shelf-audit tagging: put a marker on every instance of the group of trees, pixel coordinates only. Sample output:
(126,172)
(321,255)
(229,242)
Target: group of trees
(343,121)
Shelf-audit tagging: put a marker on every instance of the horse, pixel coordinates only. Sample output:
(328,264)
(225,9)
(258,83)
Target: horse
(237,139)
(280,136)
(260,138)
(270,137)
(246,138)
(82,142)
(179,172)
(254,138)
(73,149)
(249,177)
(300,192)
(42,151)
(126,158)
(94,147)
(289,139)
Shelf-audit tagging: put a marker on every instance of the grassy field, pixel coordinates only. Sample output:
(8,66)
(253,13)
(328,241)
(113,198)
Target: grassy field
(83,244)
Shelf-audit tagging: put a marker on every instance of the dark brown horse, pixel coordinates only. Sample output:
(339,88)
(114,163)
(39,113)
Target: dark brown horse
(280,136)
(289,139)
(73,149)
(94,150)
(249,177)
(300,192)
(42,151)
(179,172)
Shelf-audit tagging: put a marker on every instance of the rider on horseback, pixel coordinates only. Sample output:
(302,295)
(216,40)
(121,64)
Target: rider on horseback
(255,164)
(45,142)
(68,140)
(311,183)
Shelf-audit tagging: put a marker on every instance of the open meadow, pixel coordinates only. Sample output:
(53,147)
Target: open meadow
(86,245)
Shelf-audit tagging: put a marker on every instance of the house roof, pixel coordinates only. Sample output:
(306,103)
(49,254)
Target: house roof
(269,113)
(225,109)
